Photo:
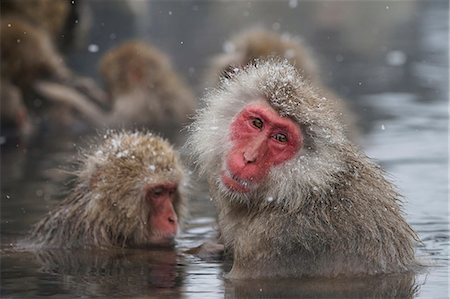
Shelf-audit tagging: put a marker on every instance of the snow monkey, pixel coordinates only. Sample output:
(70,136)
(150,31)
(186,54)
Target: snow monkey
(145,88)
(31,63)
(130,192)
(63,20)
(28,54)
(256,43)
(294,196)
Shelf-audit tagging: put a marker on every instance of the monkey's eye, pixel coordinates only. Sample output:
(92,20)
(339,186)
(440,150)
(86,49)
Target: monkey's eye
(280,137)
(257,123)
(157,191)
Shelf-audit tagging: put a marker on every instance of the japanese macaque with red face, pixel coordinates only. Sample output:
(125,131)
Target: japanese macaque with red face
(130,192)
(294,196)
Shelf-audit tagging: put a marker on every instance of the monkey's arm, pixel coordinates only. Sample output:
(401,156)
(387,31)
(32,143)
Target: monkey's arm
(88,87)
(62,94)
(208,250)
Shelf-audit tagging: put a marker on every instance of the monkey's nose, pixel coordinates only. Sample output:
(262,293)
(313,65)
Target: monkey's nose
(254,149)
(172,220)
(249,158)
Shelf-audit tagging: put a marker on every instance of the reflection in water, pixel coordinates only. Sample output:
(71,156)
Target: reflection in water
(113,273)
(386,286)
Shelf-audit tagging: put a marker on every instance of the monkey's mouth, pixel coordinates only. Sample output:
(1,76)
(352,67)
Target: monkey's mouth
(155,237)
(235,183)
(162,241)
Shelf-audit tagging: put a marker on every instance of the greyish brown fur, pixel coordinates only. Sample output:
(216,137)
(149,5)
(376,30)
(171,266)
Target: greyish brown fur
(107,207)
(28,54)
(31,63)
(145,88)
(50,15)
(254,44)
(328,211)
(66,22)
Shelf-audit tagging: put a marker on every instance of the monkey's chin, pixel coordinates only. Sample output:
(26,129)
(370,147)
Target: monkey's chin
(233,183)
(161,241)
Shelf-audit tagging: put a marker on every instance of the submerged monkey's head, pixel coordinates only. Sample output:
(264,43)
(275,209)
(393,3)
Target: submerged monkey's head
(135,185)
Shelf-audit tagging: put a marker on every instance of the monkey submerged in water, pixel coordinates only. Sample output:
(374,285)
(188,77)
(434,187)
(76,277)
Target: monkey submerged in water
(129,193)
(294,196)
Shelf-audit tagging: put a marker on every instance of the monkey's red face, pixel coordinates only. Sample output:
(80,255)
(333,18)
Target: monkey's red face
(261,139)
(163,220)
